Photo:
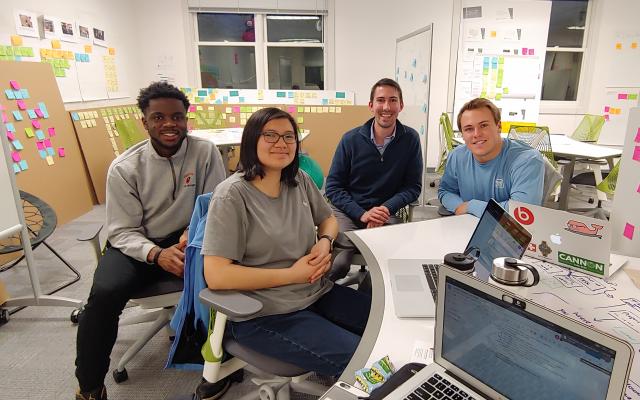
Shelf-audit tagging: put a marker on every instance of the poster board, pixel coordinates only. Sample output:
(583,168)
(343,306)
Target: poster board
(64,184)
(625,213)
(501,56)
(617,103)
(100,142)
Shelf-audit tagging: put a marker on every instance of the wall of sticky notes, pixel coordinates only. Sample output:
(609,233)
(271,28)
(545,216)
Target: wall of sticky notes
(617,103)
(45,154)
(625,213)
(264,96)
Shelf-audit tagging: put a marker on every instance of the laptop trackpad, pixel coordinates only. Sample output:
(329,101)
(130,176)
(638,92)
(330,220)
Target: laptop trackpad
(409,283)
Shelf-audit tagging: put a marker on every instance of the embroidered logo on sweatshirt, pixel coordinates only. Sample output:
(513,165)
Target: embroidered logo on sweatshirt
(188,180)
(499,183)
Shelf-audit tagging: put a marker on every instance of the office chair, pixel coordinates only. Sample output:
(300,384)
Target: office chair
(588,130)
(607,186)
(312,168)
(446,145)
(160,298)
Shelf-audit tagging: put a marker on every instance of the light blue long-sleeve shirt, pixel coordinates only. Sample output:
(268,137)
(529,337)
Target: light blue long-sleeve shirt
(516,173)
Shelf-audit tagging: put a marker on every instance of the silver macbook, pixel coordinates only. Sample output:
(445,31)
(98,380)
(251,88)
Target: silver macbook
(414,282)
(491,344)
(568,240)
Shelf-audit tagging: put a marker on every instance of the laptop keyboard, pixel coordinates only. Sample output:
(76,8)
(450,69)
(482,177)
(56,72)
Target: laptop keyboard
(438,387)
(431,273)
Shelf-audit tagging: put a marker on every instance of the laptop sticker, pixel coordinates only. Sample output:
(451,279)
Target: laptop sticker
(581,228)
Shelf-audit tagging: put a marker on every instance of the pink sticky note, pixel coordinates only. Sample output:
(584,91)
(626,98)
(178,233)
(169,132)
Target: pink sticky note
(14,85)
(21,104)
(636,153)
(40,145)
(15,156)
(39,113)
(638,188)
(628,231)
(192,108)
(5,119)
(637,139)
(525,51)
(61,151)
(606,109)
(622,96)
(291,109)
(52,131)
(606,117)
(47,143)
(36,124)
(532,52)
(11,136)
(235,109)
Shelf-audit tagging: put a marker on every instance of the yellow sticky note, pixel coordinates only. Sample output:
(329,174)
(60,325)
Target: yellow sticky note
(16,40)
(55,44)
(227,110)
(493,33)
(50,160)
(332,109)
(634,45)
(112,51)
(300,120)
(313,109)
(88,48)
(232,120)
(618,46)
(83,124)
(338,110)
(307,109)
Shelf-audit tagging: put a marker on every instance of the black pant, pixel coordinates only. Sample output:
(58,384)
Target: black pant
(117,277)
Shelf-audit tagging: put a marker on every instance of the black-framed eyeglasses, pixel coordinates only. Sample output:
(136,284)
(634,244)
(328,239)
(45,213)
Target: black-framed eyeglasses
(273,137)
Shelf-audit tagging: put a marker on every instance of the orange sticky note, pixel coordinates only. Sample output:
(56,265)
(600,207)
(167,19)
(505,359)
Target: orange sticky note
(618,46)
(55,44)
(493,33)
(88,48)
(16,40)
(634,45)
(112,51)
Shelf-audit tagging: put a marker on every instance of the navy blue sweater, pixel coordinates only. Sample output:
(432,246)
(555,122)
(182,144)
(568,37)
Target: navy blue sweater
(360,178)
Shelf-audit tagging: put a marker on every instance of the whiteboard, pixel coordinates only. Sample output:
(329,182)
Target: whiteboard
(413,73)
(9,219)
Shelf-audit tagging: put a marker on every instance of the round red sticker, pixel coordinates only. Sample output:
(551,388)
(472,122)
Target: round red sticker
(523,215)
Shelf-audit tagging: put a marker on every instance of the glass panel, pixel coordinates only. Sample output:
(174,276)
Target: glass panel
(567,24)
(561,75)
(294,28)
(217,27)
(296,68)
(228,67)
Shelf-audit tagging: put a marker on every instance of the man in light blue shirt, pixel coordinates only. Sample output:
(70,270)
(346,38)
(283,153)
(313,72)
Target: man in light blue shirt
(488,166)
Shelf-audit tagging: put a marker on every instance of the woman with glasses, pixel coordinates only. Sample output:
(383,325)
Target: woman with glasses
(260,238)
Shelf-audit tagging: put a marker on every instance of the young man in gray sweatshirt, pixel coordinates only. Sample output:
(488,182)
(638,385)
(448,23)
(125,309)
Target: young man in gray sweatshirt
(151,192)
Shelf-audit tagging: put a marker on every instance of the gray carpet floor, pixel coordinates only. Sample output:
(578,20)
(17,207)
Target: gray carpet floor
(37,345)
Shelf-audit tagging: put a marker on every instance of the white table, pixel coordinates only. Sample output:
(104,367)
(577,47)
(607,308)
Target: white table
(581,297)
(572,150)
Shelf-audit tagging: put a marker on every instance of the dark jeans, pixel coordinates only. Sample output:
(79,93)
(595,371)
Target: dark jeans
(116,278)
(320,338)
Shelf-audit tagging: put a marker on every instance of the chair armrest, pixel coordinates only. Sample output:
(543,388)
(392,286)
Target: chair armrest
(443,212)
(230,302)
(94,239)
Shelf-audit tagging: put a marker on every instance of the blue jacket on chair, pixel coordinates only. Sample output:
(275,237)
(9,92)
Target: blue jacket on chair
(189,308)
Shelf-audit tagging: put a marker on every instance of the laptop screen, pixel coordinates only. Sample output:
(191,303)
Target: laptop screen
(497,235)
(518,354)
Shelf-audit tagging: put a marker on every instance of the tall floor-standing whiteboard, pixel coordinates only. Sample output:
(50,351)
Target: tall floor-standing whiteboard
(413,73)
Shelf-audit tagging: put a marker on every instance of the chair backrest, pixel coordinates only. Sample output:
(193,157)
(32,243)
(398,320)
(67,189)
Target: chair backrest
(536,137)
(608,184)
(552,179)
(589,128)
(129,132)
(311,167)
(446,141)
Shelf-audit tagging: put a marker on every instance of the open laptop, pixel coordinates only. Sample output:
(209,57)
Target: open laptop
(489,343)
(568,240)
(413,282)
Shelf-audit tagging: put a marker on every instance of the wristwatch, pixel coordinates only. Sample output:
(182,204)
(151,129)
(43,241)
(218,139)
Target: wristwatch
(329,238)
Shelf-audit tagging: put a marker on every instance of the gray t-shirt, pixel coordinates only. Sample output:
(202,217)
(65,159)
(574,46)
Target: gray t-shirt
(255,230)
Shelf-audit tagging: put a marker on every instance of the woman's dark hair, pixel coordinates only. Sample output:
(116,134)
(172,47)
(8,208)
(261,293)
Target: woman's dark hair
(249,162)
(160,90)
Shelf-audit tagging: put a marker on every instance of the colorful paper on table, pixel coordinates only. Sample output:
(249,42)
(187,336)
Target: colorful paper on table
(17,145)
(32,114)
(52,131)
(23,165)
(40,134)
(39,113)
(43,153)
(628,231)
(43,108)
(14,85)
(10,136)
(10,127)
(49,160)
(9,94)
(28,132)
(61,151)
(17,115)
(15,156)
(36,124)
(50,151)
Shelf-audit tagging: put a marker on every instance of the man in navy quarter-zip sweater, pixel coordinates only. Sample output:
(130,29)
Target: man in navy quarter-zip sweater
(376,170)
(151,192)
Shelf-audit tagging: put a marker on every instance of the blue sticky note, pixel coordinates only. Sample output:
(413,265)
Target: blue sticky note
(17,115)
(290,95)
(233,93)
(202,92)
(343,95)
(225,99)
(219,101)
(25,93)
(32,114)
(78,57)
(17,94)
(424,78)
(411,77)
(413,62)
(325,102)
(40,134)
(424,108)
(43,154)
(241,99)
(86,58)
(9,127)
(50,151)
(280,94)
(23,165)
(9,94)
(43,108)
(17,145)
(75,116)
(16,168)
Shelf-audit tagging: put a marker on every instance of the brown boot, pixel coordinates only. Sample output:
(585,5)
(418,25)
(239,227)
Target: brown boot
(98,394)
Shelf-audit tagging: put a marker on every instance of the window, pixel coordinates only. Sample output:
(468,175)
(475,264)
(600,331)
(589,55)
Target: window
(565,50)
(270,51)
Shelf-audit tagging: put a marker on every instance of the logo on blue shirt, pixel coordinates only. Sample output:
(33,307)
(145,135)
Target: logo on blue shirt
(499,183)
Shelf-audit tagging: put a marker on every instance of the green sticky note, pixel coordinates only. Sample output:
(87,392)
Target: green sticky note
(498,96)
(501,60)
(2,51)
(281,94)
(485,71)
(340,95)
(633,97)
(483,94)
(505,90)
(300,109)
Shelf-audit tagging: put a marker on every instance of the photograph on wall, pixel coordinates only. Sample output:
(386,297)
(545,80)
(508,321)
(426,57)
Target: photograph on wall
(67,31)
(98,37)
(26,23)
(50,27)
(84,32)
